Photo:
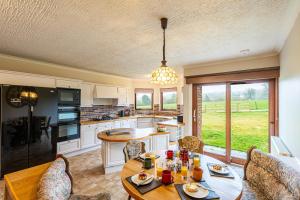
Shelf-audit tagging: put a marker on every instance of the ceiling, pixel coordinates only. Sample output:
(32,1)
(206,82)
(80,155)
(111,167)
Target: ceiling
(125,38)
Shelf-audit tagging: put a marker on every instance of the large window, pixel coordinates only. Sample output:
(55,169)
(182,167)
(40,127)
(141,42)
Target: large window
(143,99)
(168,98)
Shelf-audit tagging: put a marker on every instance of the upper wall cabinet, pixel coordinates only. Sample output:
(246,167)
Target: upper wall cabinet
(18,78)
(64,83)
(106,92)
(122,96)
(87,94)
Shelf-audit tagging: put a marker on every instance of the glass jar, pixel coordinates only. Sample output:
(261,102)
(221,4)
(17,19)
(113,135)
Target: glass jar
(197,173)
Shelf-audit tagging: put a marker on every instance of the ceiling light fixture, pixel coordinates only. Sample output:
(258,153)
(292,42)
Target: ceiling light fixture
(164,75)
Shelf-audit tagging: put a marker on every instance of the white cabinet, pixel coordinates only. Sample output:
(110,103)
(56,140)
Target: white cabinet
(125,124)
(133,123)
(68,146)
(87,94)
(130,96)
(106,92)
(87,135)
(63,83)
(101,127)
(160,142)
(122,96)
(143,122)
(117,124)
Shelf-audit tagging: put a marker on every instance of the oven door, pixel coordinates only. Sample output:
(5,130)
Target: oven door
(68,97)
(67,114)
(68,131)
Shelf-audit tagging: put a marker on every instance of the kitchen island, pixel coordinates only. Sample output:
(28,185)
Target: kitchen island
(114,140)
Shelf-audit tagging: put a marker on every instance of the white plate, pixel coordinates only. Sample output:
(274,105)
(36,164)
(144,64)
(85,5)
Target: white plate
(223,170)
(201,193)
(143,155)
(135,179)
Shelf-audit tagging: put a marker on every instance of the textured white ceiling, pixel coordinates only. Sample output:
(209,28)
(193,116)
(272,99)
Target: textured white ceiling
(124,37)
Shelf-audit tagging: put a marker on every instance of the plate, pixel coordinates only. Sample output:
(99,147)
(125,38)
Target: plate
(143,155)
(135,179)
(223,170)
(201,193)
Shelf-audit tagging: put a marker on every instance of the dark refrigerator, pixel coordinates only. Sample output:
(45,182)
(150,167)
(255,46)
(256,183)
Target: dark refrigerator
(28,127)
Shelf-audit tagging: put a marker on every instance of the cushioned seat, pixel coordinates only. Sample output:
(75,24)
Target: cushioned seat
(191,143)
(56,184)
(266,177)
(133,149)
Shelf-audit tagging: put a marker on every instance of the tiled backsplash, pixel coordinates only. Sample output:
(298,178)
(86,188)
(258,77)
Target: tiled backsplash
(97,111)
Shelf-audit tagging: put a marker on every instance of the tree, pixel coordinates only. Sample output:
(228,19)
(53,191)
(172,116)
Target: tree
(250,94)
(146,100)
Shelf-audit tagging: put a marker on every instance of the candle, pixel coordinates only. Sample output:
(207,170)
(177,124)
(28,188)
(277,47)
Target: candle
(184,171)
(196,161)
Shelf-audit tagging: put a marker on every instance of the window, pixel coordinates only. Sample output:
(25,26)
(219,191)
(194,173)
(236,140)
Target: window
(143,99)
(168,98)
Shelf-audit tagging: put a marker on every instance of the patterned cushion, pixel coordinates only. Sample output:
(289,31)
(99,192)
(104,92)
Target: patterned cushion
(192,143)
(55,184)
(251,193)
(134,148)
(272,177)
(101,196)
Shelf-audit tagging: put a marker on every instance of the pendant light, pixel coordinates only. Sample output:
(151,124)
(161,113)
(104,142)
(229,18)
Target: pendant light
(164,75)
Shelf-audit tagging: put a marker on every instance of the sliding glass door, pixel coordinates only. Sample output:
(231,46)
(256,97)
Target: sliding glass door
(249,117)
(234,116)
(213,130)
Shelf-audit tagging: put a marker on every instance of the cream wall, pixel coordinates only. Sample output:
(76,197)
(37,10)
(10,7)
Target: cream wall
(253,62)
(289,91)
(36,67)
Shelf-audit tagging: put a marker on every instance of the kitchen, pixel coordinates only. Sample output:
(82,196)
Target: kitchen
(85,109)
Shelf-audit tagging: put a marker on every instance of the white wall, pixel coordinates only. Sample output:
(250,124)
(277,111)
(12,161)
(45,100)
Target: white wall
(289,91)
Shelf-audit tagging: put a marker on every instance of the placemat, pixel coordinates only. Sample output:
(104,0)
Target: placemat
(229,175)
(183,196)
(143,189)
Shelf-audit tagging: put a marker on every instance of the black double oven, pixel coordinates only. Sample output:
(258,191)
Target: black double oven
(68,114)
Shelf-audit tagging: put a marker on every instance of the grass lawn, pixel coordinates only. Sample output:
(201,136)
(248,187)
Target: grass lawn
(248,128)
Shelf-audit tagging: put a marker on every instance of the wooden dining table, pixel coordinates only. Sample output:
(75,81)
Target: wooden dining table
(226,188)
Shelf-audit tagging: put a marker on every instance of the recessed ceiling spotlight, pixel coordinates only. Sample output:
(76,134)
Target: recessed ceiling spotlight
(245,51)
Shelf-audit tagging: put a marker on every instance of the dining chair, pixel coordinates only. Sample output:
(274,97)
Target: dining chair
(267,177)
(133,149)
(191,143)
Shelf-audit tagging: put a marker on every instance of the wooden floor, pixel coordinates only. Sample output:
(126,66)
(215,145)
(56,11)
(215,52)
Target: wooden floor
(88,174)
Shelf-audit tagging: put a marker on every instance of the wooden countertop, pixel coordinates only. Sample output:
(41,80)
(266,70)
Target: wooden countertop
(89,122)
(134,134)
(173,123)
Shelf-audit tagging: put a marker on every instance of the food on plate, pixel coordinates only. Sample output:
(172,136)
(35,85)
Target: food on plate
(142,175)
(147,154)
(217,167)
(192,187)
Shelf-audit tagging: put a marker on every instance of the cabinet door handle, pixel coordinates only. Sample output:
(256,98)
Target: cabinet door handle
(194,115)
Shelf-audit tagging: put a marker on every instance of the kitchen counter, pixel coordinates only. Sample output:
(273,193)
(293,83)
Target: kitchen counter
(112,146)
(89,122)
(173,123)
(129,134)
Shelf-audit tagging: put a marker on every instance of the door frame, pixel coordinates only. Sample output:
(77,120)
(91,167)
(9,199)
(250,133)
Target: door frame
(273,115)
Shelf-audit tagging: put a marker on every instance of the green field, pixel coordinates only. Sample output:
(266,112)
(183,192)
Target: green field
(249,125)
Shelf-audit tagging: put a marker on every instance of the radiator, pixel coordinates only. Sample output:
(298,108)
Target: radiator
(278,148)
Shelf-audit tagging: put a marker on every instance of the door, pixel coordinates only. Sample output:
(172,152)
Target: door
(43,135)
(249,117)
(14,130)
(233,116)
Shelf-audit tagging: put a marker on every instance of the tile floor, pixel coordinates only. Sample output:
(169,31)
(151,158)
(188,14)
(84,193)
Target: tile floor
(89,178)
